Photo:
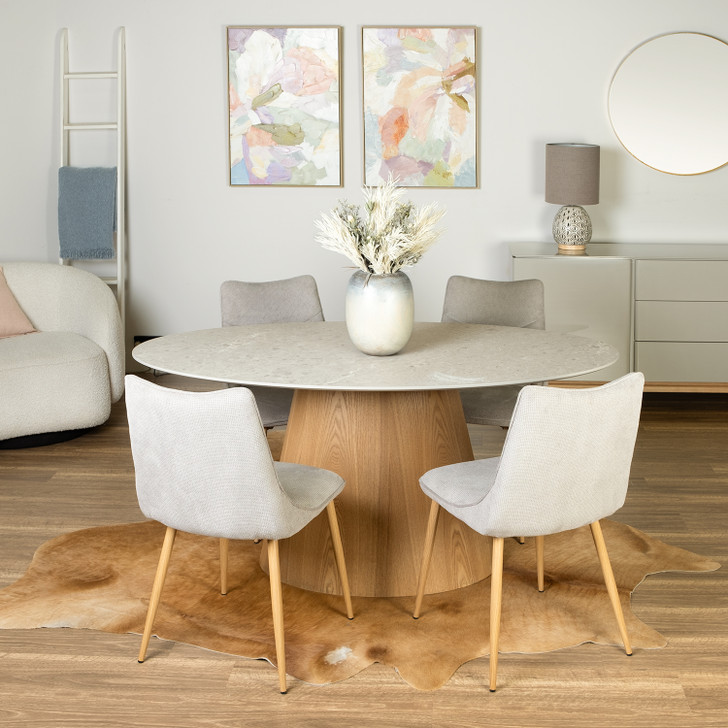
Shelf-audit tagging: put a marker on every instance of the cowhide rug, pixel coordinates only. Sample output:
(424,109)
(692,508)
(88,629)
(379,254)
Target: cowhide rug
(100,578)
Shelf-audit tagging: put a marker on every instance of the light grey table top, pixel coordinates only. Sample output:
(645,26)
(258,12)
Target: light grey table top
(320,356)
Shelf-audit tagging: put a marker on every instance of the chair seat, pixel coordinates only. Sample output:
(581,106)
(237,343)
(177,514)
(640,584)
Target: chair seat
(462,484)
(309,488)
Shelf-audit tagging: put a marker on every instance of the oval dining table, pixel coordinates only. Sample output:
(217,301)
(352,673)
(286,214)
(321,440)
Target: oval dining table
(381,423)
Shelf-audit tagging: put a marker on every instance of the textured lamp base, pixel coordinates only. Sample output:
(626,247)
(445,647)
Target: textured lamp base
(572,228)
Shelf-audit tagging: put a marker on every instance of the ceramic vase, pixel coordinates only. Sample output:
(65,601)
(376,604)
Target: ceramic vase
(380,312)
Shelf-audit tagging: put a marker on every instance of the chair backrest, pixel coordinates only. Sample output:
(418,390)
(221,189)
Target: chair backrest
(270,302)
(499,303)
(202,461)
(566,459)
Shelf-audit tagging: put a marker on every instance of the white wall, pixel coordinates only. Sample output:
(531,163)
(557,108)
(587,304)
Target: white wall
(545,69)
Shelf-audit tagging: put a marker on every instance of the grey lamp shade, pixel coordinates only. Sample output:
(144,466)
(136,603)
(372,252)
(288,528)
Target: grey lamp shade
(572,174)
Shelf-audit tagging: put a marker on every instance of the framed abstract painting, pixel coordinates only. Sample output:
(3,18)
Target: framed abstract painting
(420,106)
(284,106)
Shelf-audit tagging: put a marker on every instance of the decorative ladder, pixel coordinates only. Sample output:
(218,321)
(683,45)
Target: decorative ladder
(118,281)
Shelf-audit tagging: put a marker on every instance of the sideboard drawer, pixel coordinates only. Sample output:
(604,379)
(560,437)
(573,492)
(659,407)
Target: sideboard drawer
(671,323)
(681,321)
(681,280)
(682,362)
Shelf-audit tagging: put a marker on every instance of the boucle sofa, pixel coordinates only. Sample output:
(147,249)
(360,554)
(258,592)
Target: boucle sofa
(65,376)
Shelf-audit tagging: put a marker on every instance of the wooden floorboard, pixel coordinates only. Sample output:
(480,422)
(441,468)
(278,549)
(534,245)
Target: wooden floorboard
(57,678)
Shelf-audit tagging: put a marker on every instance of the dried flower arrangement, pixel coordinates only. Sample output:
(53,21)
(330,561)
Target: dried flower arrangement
(386,236)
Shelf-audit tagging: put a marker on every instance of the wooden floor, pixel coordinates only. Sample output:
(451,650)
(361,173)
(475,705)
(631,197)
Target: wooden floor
(58,678)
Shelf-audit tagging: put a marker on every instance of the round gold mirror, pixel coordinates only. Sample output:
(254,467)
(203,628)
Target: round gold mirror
(668,103)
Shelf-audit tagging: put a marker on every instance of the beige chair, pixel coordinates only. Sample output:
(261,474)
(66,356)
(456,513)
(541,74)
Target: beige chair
(499,303)
(268,302)
(203,466)
(543,484)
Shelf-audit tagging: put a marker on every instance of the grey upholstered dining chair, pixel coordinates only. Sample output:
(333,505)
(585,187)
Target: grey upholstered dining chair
(268,302)
(544,482)
(499,303)
(203,466)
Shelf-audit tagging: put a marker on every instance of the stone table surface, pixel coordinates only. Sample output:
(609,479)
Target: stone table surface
(319,355)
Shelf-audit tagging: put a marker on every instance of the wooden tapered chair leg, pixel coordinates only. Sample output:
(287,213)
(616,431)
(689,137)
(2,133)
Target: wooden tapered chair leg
(521,539)
(224,548)
(611,584)
(339,553)
(276,597)
(496,601)
(426,557)
(539,563)
(157,587)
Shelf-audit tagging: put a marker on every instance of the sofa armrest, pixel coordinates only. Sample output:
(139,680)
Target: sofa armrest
(61,298)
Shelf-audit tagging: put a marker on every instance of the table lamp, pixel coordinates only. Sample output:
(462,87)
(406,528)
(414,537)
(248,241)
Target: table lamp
(572,180)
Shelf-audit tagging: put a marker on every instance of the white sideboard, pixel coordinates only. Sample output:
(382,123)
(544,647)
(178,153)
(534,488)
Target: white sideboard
(663,306)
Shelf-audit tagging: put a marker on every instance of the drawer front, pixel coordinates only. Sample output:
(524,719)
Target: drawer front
(681,321)
(682,362)
(681,280)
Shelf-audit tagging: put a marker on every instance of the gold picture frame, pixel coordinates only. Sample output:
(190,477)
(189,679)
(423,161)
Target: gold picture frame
(284,106)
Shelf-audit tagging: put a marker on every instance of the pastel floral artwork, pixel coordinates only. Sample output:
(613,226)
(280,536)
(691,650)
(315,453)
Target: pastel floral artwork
(420,106)
(284,101)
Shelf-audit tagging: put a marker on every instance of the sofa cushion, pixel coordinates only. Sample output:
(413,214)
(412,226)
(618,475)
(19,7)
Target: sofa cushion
(52,381)
(13,320)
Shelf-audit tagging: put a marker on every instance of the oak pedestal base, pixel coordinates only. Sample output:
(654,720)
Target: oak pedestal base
(381,443)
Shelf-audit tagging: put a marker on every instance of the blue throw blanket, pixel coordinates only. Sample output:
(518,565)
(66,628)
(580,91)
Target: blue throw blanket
(86,212)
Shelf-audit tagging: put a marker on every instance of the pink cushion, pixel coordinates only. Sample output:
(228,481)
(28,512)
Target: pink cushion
(12,319)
